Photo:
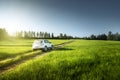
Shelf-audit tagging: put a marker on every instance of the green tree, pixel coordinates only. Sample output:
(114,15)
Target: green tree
(110,37)
(93,37)
(3,34)
(52,36)
(61,36)
(117,36)
(65,36)
(37,34)
(19,34)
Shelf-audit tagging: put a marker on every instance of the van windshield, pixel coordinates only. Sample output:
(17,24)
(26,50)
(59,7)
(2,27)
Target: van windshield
(46,41)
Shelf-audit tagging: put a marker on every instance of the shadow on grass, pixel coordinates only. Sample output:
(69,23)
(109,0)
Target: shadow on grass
(63,49)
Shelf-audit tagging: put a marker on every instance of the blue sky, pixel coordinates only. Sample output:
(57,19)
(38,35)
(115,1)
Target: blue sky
(74,17)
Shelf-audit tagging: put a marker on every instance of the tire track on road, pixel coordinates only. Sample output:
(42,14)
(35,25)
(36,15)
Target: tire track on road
(15,64)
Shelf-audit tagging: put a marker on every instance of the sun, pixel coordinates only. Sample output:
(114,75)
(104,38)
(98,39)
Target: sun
(11,26)
(11,22)
(11,30)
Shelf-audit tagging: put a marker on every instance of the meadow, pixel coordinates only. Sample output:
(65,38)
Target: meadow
(14,51)
(79,60)
(16,47)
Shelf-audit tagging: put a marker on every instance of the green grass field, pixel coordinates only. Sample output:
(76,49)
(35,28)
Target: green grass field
(18,47)
(80,60)
(14,51)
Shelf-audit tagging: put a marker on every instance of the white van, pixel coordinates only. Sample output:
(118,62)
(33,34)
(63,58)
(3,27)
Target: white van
(43,44)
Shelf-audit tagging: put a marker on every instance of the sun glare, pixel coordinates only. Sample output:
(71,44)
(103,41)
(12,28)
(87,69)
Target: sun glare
(11,22)
(11,25)
(11,30)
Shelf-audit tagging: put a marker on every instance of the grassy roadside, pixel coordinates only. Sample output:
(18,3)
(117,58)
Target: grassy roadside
(21,57)
(19,47)
(8,62)
(80,60)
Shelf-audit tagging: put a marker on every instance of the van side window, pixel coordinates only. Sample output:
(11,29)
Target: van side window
(41,41)
(45,41)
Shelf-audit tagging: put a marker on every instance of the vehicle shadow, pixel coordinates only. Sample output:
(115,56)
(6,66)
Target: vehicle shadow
(63,49)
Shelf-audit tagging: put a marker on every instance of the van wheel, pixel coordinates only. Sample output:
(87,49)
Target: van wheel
(52,47)
(34,49)
(45,48)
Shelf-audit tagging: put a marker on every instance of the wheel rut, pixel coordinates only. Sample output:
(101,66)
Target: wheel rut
(13,64)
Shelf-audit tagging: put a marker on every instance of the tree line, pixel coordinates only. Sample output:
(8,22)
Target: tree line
(45,35)
(109,36)
(40,35)
(33,35)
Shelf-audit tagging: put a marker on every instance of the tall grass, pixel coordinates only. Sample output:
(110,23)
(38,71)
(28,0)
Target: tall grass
(80,60)
(16,52)
(19,47)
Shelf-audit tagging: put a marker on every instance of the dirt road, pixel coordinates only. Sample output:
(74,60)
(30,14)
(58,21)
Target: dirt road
(13,64)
